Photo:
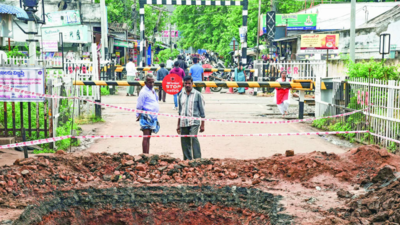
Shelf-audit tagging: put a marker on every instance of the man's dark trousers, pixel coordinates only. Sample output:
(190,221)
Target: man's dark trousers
(161,93)
(190,144)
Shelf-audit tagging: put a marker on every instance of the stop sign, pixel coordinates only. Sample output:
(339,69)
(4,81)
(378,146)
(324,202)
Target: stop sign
(172,84)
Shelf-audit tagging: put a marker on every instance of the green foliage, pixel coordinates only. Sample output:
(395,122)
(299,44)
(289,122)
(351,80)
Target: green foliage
(378,70)
(64,128)
(15,53)
(45,150)
(165,54)
(105,91)
(120,11)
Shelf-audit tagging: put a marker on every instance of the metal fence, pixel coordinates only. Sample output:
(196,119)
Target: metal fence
(379,101)
(297,69)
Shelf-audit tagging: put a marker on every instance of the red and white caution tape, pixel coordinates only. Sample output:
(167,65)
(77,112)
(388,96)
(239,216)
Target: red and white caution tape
(35,142)
(389,139)
(177,116)
(48,140)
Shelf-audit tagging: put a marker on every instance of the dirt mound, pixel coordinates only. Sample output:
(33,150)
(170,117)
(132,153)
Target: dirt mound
(29,179)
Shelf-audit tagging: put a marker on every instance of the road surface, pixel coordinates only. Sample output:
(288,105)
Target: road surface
(218,106)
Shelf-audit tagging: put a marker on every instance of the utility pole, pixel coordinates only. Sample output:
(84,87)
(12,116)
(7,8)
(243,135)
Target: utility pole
(104,31)
(258,29)
(32,44)
(353,31)
(134,20)
(170,36)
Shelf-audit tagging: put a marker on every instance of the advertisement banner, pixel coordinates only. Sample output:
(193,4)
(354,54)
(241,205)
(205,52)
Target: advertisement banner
(50,46)
(319,41)
(63,18)
(123,44)
(263,25)
(71,34)
(297,21)
(28,79)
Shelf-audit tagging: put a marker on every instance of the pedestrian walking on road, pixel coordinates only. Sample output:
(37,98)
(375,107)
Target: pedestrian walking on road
(191,104)
(161,73)
(148,101)
(197,73)
(182,63)
(130,76)
(240,76)
(178,71)
(282,95)
(170,63)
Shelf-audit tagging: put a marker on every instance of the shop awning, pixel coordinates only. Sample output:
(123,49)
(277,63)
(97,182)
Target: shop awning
(286,39)
(13,10)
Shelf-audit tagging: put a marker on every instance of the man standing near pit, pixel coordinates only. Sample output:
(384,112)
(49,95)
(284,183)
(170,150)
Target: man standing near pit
(197,73)
(161,73)
(130,76)
(191,104)
(148,101)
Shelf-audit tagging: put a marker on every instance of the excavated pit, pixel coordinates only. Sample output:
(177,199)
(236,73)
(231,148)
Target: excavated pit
(157,205)
(357,187)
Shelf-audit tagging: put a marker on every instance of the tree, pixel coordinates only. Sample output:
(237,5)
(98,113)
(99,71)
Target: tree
(120,11)
(213,27)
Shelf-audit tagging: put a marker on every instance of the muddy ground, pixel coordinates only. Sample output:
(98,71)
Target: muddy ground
(360,186)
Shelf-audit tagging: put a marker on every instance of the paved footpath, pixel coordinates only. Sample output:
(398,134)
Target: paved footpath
(218,106)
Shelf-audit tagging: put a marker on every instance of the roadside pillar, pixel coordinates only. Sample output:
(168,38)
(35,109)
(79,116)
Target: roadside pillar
(301,104)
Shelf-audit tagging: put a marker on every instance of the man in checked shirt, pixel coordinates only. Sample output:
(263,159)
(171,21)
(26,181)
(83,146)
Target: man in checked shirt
(191,104)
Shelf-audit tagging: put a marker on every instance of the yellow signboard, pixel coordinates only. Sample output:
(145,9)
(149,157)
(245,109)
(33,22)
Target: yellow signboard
(319,41)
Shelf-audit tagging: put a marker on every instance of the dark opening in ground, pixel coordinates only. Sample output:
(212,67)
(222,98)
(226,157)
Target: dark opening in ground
(157,205)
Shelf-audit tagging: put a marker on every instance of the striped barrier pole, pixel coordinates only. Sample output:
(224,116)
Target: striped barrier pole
(227,70)
(228,84)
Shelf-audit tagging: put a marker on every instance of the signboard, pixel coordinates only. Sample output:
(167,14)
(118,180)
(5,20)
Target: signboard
(63,18)
(319,41)
(174,33)
(242,34)
(124,44)
(172,84)
(297,21)
(28,79)
(71,34)
(50,46)
(263,25)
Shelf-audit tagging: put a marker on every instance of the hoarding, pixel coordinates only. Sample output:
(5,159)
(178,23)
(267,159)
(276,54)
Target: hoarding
(50,46)
(124,44)
(27,79)
(71,34)
(297,21)
(263,25)
(319,41)
(63,18)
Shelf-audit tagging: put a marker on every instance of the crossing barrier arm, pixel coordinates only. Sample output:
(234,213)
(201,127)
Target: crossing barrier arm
(306,85)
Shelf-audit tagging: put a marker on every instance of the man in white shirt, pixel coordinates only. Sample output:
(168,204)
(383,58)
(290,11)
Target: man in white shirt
(170,63)
(130,75)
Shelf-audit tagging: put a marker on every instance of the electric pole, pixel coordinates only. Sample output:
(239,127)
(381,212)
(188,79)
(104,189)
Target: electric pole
(134,20)
(353,31)
(258,29)
(104,32)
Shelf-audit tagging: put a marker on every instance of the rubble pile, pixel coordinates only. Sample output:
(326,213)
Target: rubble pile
(30,181)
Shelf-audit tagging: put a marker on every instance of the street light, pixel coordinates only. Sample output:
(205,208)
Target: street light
(384,44)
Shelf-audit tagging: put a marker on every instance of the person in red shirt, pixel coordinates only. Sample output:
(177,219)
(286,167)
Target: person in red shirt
(178,71)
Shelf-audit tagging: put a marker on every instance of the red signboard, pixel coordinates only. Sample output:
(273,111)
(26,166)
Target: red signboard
(172,84)
(206,74)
